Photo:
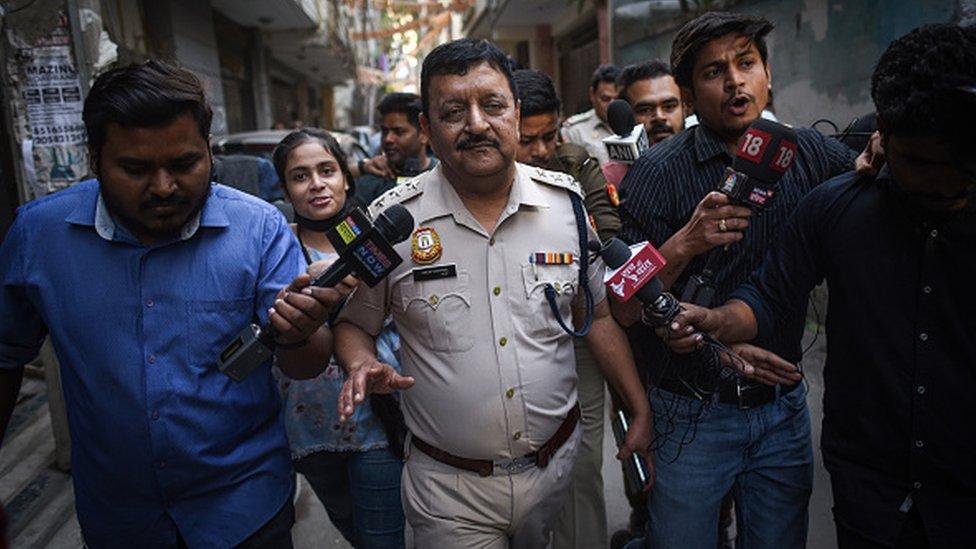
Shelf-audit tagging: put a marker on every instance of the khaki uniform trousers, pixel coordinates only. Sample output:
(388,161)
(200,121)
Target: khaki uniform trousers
(583,521)
(449,507)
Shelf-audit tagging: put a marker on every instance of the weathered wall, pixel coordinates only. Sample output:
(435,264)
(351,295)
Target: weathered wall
(822,52)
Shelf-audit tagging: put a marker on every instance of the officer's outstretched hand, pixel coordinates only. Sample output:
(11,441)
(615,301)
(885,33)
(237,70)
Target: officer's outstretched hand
(370,377)
(638,441)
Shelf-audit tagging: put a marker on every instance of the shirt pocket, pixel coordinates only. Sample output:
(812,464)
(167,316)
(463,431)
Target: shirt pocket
(211,325)
(439,311)
(564,279)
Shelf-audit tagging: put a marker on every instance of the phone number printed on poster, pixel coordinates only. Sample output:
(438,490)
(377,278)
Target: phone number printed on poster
(54,107)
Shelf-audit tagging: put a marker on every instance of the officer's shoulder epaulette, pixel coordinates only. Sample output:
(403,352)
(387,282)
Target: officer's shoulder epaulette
(398,195)
(577,118)
(556,179)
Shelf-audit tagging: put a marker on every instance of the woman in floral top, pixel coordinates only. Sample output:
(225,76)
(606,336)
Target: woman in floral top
(349,465)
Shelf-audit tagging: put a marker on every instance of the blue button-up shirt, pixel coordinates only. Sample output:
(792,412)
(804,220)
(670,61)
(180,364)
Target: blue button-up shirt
(161,440)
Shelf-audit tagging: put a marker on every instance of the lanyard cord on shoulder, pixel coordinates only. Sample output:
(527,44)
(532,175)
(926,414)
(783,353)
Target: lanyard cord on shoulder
(584,261)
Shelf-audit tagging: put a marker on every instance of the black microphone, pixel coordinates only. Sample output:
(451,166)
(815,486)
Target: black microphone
(365,250)
(765,152)
(630,139)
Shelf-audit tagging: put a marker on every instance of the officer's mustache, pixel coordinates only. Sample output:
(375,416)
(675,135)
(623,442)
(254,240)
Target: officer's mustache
(476,141)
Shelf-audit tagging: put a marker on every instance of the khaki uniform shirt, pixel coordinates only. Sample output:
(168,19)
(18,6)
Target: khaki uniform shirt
(587,130)
(495,374)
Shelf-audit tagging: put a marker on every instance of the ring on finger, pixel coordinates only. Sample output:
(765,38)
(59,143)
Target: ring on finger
(722,225)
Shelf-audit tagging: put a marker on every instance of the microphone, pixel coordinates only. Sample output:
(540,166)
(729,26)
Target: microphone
(765,151)
(365,250)
(630,139)
(631,272)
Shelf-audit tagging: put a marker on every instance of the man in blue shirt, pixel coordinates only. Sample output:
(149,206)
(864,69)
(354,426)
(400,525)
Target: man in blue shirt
(141,277)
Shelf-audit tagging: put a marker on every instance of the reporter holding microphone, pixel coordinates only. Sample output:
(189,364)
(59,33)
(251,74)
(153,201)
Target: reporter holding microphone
(351,465)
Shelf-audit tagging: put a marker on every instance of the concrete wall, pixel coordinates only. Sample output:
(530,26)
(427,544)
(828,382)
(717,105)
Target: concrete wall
(822,52)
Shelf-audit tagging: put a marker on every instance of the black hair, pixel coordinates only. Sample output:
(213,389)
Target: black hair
(919,84)
(406,103)
(143,95)
(298,138)
(456,58)
(536,93)
(703,29)
(647,70)
(604,73)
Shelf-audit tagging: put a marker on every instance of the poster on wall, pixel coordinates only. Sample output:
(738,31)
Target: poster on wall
(53,100)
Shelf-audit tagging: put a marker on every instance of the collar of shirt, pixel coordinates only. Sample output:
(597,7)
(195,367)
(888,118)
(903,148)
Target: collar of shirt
(440,198)
(98,216)
(708,144)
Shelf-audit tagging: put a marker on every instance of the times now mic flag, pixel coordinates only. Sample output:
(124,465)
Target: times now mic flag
(644,264)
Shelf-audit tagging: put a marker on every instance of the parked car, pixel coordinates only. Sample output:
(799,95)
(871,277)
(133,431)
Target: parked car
(262,142)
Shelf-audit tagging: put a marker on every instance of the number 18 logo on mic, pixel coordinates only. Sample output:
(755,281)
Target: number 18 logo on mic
(753,145)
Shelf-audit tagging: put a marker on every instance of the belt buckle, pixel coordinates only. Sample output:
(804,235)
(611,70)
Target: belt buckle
(515,466)
(740,392)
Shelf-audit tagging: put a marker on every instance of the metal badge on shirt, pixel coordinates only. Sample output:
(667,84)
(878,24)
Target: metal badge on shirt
(425,246)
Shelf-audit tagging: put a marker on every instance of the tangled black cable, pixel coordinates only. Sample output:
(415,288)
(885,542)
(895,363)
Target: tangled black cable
(700,375)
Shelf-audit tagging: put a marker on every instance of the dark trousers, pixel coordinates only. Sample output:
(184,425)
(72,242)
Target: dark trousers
(275,534)
(912,536)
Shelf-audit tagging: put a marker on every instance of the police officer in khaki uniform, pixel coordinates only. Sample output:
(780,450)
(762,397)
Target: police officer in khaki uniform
(583,522)
(489,383)
(588,129)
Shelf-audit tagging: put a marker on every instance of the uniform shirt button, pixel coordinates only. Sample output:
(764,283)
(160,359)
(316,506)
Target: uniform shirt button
(433,300)
(919,444)
(496,290)
(923,336)
(934,233)
(503,341)
(150,302)
(927,289)
(491,241)
(151,359)
(517,435)
(916,485)
(558,287)
(921,389)
(510,393)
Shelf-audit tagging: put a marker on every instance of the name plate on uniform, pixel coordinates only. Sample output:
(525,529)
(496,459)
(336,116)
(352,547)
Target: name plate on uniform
(435,272)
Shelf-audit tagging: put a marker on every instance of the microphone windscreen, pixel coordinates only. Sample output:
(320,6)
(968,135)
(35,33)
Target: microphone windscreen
(615,253)
(765,151)
(394,223)
(620,117)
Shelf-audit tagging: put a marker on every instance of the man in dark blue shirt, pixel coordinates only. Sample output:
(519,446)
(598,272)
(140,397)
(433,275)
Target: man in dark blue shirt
(404,147)
(141,277)
(898,253)
(720,62)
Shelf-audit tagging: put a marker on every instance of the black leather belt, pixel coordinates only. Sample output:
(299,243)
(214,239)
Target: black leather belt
(742,393)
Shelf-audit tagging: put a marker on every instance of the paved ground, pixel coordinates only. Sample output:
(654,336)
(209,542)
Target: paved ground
(40,500)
